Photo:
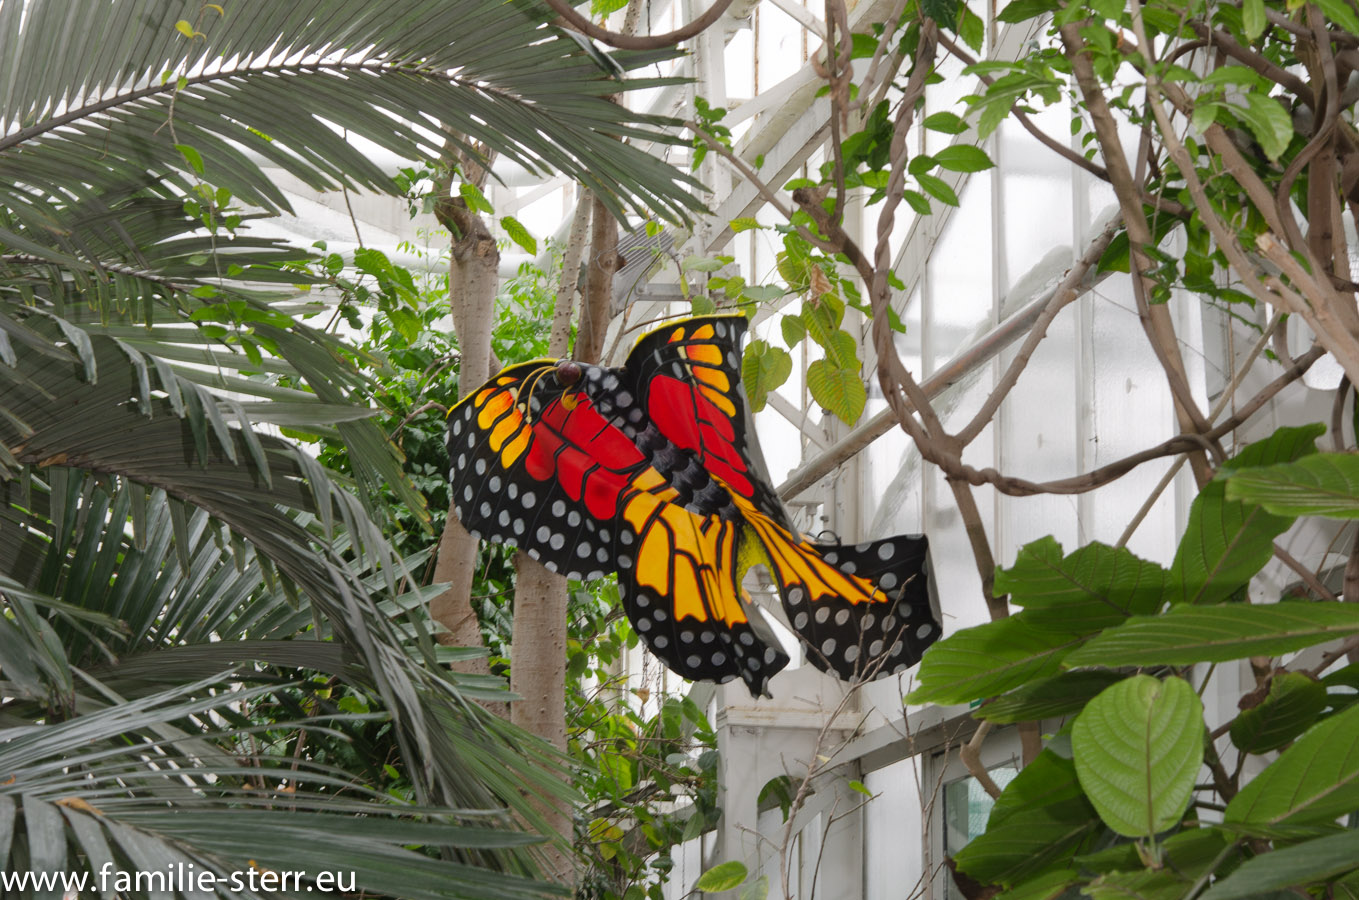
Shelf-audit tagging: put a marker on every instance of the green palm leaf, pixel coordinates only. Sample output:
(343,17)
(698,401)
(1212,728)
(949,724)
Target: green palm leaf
(84,114)
(88,431)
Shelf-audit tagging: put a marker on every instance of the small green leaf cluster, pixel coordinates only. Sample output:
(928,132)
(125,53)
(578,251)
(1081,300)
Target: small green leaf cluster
(1131,796)
(709,118)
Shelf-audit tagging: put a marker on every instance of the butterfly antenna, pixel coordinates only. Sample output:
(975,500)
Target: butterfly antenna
(528,385)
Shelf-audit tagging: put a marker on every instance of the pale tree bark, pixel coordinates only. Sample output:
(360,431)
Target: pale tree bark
(473,280)
(538,656)
(604,263)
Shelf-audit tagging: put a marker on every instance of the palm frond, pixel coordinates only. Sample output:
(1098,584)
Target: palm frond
(82,115)
(145,425)
(82,796)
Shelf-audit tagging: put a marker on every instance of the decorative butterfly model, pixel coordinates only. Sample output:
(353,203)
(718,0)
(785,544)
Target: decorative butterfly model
(652,471)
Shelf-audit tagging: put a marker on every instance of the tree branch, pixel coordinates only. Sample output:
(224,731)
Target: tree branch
(633,42)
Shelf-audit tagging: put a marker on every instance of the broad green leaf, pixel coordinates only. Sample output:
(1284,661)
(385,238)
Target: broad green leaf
(1307,863)
(937,188)
(745,223)
(1092,588)
(842,391)
(721,877)
(1323,484)
(793,330)
(1041,819)
(1341,13)
(945,122)
(864,46)
(841,350)
(1192,634)
(1205,114)
(185,28)
(519,234)
(989,659)
(1253,18)
(1268,121)
(763,293)
(1047,886)
(971,29)
(1022,10)
(1188,852)
(1138,747)
(964,158)
(1143,884)
(1059,695)
(1226,541)
(1315,780)
(1294,702)
(763,368)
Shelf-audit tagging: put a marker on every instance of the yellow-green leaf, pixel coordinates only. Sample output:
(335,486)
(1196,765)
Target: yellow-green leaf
(763,368)
(842,391)
(721,877)
(519,234)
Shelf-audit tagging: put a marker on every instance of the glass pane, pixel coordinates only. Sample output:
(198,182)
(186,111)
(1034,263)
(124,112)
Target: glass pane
(966,809)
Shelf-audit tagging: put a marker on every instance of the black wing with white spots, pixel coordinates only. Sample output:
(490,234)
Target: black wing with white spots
(883,636)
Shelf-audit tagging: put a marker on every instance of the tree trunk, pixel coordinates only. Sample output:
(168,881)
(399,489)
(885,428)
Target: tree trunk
(538,659)
(473,280)
(604,261)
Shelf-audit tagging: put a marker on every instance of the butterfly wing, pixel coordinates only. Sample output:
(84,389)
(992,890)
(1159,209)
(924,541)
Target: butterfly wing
(535,465)
(679,578)
(863,611)
(687,381)
(890,629)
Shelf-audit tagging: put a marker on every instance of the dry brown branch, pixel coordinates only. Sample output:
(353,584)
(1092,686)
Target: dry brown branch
(970,754)
(634,42)
(1155,318)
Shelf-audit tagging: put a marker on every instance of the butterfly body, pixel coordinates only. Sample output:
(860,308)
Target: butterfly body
(651,470)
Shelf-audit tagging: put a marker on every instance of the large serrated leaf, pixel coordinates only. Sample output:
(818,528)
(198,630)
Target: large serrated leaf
(1059,695)
(1294,702)
(1226,541)
(1092,588)
(989,659)
(1323,484)
(1138,747)
(1307,863)
(1315,780)
(1042,818)
(1192,634)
